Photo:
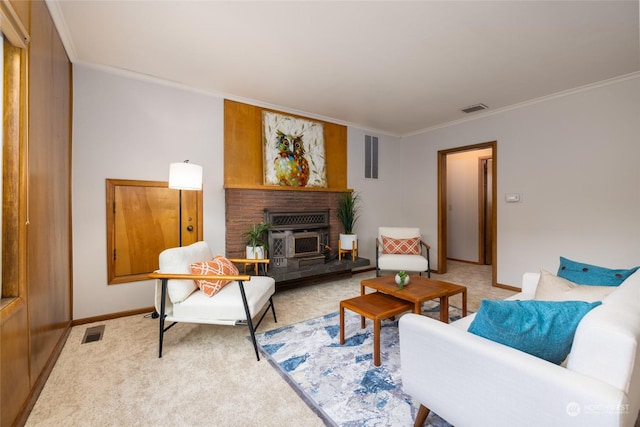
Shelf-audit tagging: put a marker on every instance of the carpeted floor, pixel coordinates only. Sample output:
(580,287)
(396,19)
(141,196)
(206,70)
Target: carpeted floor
(208,375)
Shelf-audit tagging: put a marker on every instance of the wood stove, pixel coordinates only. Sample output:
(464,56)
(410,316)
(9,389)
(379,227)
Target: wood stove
(297,238)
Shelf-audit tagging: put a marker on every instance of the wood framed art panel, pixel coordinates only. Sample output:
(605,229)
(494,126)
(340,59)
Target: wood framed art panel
(244,156)
(143,219)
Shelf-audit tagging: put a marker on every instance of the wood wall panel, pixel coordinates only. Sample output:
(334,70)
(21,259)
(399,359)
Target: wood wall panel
(14,377)
(48,243)
(14,338)
(243,149)
(242,145)
(35,316)
(336,146)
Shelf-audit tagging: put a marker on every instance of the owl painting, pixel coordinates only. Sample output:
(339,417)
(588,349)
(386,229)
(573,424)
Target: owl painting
(291,167)
(294,151)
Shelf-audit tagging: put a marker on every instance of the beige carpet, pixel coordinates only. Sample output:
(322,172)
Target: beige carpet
(208,375)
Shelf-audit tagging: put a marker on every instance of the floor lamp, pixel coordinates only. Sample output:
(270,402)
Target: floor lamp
(184,176)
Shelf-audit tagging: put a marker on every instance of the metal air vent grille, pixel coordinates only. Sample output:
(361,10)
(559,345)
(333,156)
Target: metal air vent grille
(474,108)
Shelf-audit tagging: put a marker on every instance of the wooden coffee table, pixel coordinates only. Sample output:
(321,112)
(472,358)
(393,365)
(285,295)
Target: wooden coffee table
(377,307)
(419,290)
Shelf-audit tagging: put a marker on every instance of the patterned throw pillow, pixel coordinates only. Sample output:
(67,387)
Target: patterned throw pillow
(401,246)
(217,266)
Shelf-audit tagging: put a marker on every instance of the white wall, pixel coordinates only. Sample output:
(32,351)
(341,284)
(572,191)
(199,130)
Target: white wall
(380,204)
(573,158)
(125,128)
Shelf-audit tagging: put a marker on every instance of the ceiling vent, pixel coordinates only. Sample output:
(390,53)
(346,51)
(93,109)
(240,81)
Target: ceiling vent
(474,108)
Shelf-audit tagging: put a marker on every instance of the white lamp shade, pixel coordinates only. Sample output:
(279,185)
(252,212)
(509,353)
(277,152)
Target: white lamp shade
(185,176)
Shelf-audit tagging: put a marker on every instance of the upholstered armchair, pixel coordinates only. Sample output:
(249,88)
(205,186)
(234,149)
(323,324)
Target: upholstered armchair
(401,248)
(194,287)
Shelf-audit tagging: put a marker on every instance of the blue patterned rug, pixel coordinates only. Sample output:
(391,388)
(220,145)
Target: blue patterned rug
(340,382)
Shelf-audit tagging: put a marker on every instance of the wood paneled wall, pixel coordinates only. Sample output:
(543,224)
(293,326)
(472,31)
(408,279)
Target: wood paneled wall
(243,149)
(34,325)
(246,196)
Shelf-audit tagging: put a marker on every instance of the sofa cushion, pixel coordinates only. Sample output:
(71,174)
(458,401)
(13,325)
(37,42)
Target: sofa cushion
(227,304)
(398,262)
(401,246)
(587,274)
(553,288)
(177,260)
(544,329)
(216,267)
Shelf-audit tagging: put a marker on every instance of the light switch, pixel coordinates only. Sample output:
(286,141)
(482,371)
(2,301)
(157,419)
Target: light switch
(512,197)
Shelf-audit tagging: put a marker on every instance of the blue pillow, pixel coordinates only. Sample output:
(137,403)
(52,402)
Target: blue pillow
(586,274)
(544,329)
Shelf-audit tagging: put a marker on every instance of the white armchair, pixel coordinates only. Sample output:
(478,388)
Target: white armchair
(401,248)
(178,298)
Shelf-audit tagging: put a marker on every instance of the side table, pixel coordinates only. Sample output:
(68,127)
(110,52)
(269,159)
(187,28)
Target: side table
(377,307)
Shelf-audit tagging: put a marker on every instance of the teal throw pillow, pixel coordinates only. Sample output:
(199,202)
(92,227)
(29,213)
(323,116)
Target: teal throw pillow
(544,329)
(587,274)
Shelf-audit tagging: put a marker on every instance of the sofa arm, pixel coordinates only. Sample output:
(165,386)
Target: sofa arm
(530,283)
(472,381)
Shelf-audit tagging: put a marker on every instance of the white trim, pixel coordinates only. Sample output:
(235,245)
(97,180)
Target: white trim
(148,78)
(63,30)
(560,94)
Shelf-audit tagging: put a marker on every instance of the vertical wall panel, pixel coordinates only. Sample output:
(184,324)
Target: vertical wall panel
(243,148)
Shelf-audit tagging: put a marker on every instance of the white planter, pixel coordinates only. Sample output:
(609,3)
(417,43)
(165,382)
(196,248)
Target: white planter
(256,252)
(348,241)
(406,280)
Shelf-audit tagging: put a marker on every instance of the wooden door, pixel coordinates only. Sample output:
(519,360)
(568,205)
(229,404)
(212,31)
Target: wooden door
(143,219)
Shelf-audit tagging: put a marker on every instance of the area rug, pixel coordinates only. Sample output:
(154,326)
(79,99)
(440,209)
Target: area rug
(340,382)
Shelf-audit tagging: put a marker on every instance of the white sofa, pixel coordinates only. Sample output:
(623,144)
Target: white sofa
(471,381)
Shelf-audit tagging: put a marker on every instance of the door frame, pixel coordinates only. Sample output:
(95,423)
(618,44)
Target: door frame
(442,205)
(482,209)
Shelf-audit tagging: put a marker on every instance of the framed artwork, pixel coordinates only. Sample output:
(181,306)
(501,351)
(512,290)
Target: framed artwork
(294,153)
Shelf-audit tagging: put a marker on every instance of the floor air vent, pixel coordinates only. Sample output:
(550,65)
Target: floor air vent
(93,334)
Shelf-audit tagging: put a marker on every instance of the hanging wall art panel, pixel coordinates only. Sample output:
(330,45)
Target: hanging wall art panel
(294,152)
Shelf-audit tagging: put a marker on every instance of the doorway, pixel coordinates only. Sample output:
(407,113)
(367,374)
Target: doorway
(487,212)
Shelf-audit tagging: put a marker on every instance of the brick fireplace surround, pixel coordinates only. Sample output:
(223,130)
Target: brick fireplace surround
(246,206)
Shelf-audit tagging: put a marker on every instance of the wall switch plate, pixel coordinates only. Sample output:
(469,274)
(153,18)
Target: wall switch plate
(512,197)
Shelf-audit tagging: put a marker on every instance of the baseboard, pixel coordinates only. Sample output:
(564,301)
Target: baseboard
(466,261)
(507,287)
(110,316)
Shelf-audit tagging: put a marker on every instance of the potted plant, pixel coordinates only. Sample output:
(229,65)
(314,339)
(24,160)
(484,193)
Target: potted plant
(257,240)
(402,279)
(348,214)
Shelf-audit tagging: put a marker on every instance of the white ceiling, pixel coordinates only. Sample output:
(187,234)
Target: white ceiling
(387,66)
